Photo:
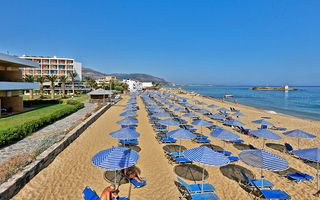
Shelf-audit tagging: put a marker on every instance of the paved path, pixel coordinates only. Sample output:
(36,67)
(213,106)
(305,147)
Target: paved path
(47,135)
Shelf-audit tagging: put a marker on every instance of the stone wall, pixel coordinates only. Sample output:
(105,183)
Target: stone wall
(15,104)
(17,182)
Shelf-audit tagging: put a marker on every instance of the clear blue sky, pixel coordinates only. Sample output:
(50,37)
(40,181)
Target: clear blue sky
(184,41)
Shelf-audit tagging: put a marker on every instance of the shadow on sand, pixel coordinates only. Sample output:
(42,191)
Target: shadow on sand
(277,147)
(190,172)
(214,147)
(241,146)
(174,148)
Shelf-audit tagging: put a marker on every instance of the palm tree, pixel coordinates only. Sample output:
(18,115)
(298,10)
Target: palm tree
(91,82)
(29,78)
(73,75)
(52,79)
(41,80)
(63,80)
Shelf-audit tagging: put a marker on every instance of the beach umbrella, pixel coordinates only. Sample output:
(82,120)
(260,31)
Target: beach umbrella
(125,134)
(130,108)
(262,159)
(299,134)
(213,106)
(238,114)
(262,122)
(160,115)
(217,116)
(128,114)
(127,121)
(196,101)
(205,156)
(265,134)
(190,115)
(202,123)
(115,158)
(204,111)
(194,107)
(224,135)
(234,122)
(132,101)
(168,122)
(181,134)
(312,154)
(179,109)
(223,109)
(155,110)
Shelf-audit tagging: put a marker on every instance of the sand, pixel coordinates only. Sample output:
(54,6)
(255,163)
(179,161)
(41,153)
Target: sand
(71,171)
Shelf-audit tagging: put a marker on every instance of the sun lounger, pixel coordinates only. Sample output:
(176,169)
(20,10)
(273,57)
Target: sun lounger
(233,158)
(252,147)
(173,153)
(272,194)
(129,142)
(177,159)
(196,188)
(134,182)
(204,196)
(261,183)
(298,177)
(278,128)
(161,130)
(226,153)
(88,194)
(264,127)
(237,141)
(164,139)
(289,148)
(199,140)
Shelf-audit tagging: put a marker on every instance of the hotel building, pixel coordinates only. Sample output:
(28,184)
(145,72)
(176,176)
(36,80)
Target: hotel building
(53,66)
(11,83)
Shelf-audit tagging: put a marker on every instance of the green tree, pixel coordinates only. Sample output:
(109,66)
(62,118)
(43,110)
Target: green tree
(29,78)
(52,79)
(73,76)
(118,88)
(63,80)
(91,82)
(41,80)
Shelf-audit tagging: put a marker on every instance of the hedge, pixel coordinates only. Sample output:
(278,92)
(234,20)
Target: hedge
(28,103)
(18,132)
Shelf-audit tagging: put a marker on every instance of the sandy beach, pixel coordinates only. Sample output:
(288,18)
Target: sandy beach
(71,171)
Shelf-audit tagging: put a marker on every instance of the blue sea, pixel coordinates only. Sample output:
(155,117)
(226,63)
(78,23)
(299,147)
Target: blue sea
(303,104)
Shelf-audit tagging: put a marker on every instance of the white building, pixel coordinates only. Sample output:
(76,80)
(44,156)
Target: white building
(133,85)
(145,85)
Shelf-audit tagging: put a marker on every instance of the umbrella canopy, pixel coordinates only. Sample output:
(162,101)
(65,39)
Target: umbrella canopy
(262,159)
(190,114)
(115,158)
(128,114)
(217,116)
(262,122)
(201,122)
(204,111)
(205,156)
(194,107)
(238,114)
(224,134)
(160,115)
(181,134)
(213,106)
(130,108)
(265,134)
(179,109)
(234,122)
(168,122)
(125,134)
(127,121)
(223,109)
(299,134)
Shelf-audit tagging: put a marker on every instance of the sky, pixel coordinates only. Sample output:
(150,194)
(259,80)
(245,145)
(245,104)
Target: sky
(230,42)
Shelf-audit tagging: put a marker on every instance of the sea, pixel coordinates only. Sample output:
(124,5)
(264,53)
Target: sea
(304,103)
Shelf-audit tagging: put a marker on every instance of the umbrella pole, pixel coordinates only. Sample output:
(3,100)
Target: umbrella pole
(224,145)
(180,148)
(317,176)
(298,143)
(263,143)
(202,178)
(262,177)
(115,177)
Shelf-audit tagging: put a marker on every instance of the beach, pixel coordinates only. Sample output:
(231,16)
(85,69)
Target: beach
(72,171)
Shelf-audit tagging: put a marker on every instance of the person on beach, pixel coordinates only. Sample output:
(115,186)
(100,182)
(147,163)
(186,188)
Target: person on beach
(235,101)
(133,174)
(109,193)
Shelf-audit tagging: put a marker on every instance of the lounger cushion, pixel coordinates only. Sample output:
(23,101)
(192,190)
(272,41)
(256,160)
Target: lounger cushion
(137,184)
(275,194)
(226,153)
(203,140)
(233,158)
(262,183)
(198,187)
(88,194)
(204,196)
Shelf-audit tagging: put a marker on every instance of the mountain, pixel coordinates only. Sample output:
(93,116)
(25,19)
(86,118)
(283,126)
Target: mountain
(87,72)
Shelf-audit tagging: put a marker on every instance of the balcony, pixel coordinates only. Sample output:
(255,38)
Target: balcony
(18,85)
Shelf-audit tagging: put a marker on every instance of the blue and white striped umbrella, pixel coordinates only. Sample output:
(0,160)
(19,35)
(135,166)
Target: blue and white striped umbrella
(128,114)
(234,122)
(265,134)
(299,134)
(204,111)
(263,160)
(194,107)
(312,154)
(181,134)
(213,106)
(262,122)
(160,115)
(202,123)
(224,134)
(127,121)
(125,134)
(179,109)
(130,108)
(205,156)
(190,114)
(115,158)
(223,109)
(238,114)
(168,122)
(217,116)
(132,101)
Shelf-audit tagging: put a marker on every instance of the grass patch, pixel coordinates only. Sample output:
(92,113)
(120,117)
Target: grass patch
(80,98)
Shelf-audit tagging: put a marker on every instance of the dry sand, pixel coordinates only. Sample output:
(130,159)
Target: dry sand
(71,171)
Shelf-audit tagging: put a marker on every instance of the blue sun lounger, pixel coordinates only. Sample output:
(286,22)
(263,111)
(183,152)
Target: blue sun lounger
(226,153)
(133,181)
(233,158)
(204,196)
(177,158)
(196,188)
(88,194)
(272,194)
(261,183)
(130,142)
(174,154)
(298,177)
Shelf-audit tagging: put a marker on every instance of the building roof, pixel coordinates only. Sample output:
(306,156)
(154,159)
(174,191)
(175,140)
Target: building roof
(100,92)
(16,62)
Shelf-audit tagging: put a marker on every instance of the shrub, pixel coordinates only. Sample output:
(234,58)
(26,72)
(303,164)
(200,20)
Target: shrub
(18,132)
(28,103)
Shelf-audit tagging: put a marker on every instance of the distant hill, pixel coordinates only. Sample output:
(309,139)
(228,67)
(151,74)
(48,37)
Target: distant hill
(87,72)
